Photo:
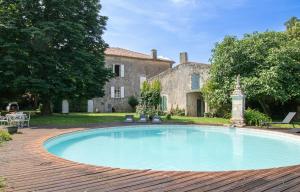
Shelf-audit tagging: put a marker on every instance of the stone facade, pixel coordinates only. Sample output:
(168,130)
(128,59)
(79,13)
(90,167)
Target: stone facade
(134,68)
(181,86)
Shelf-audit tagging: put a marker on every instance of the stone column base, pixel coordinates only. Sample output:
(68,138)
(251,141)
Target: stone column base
(238,122)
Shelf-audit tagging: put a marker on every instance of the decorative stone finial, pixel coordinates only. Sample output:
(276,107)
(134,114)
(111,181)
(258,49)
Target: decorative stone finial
(238,90)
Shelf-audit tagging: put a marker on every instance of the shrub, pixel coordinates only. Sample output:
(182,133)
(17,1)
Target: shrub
(254,117)
(4,136)
(133,102)
(209,114)
(169,116)
(150,99)
(177,111)
(227,115)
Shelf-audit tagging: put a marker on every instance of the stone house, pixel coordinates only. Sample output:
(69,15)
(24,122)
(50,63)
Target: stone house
(131,70)
(181,86)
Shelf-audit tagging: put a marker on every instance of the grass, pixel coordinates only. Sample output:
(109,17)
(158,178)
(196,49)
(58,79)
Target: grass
(200,120)
(74,119)
(297,125)
(77,119)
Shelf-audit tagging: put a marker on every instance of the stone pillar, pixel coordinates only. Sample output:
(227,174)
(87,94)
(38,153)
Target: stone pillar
(65,106)
(90,108)
(238,105)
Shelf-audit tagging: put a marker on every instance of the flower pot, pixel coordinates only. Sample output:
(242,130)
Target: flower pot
(12,129)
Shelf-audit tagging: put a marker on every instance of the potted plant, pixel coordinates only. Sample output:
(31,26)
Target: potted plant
(11,129)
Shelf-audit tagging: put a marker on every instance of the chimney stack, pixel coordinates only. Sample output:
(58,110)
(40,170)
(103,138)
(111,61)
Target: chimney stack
(183,57)
(154,54)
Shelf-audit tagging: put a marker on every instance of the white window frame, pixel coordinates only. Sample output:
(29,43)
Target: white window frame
(118,92)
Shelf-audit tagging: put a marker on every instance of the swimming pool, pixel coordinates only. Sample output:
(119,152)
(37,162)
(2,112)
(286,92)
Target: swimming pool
(178,148)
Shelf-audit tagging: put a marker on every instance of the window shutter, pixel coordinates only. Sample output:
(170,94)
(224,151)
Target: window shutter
(113,68)
(112,92)
(122,92)
(200,82)
(122,71)
(142,80)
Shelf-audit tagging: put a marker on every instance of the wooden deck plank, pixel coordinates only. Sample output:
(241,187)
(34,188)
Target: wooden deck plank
(27,167)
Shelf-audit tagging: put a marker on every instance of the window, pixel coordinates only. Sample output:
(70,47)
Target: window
(195,82)
(164,103)
(118,70)
(117,93)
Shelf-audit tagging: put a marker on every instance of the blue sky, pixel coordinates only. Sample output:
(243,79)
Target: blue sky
(194,26)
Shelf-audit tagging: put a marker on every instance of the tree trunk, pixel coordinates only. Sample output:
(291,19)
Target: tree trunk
(46,108)
(265,107)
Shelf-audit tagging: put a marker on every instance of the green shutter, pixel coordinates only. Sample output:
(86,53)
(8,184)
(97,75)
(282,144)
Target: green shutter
(163,103)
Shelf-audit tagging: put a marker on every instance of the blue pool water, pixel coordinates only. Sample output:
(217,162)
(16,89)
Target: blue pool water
(178,147)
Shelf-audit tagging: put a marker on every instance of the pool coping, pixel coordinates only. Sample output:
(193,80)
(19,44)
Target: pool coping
(263,130)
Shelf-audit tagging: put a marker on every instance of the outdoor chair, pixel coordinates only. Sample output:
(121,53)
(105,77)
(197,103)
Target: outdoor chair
(143,119)
(156,119)
(17,119)
(27,119)
(128,119)
(3,120)
(287,120)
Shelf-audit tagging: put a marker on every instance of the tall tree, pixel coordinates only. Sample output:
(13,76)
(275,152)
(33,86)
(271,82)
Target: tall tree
(52,49)
(269,65)
(291,22)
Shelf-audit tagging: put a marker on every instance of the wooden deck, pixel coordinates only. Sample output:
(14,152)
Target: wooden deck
(27,167)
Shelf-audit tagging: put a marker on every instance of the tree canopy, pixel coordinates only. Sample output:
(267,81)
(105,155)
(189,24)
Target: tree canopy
(52,49)
(268,62)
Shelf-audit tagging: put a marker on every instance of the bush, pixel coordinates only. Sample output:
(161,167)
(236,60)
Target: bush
(133,102)
(150,111)
(169,116)
(254,117)
(209,114)
(4,136)
(177,111)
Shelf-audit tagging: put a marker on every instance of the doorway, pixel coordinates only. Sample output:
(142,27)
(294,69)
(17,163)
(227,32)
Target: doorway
(200,108)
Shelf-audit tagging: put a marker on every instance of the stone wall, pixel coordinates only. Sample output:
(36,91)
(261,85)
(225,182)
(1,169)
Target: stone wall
(176,83)
(134,69)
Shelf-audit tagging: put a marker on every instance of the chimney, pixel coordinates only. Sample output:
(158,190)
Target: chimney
(154,54)
(183,57)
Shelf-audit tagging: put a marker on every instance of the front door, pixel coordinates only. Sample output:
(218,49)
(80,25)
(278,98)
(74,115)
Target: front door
(199,108)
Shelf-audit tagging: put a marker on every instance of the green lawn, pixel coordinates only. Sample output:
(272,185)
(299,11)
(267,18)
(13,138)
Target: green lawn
(73,119)
(76,119)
